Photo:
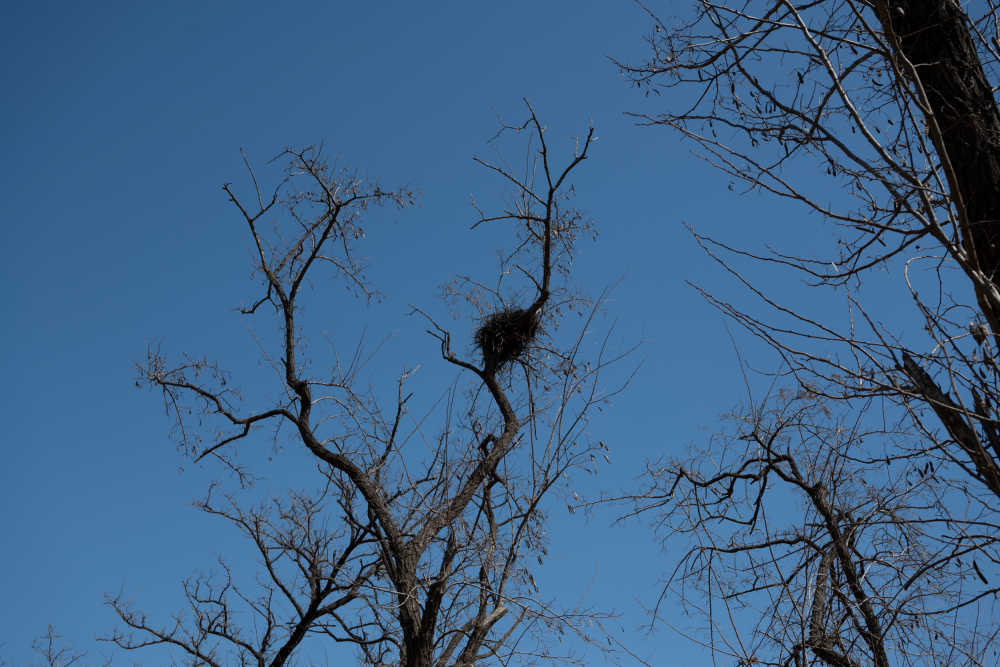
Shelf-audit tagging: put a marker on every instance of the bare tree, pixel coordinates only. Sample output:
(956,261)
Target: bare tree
(880,117)
(412,556)
(55,652)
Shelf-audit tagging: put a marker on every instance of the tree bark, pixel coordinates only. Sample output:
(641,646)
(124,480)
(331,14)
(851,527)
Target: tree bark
(940,58)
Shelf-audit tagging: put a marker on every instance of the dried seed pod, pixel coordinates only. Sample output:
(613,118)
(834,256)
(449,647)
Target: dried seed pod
(979,332)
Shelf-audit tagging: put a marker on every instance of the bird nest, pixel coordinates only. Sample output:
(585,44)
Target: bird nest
(505,335)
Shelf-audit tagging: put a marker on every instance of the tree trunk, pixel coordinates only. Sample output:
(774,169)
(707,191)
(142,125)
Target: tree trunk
(935,40)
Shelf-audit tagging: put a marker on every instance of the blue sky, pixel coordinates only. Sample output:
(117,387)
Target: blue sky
(120,123)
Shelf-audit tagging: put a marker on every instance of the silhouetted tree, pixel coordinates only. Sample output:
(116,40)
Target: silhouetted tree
(55,652)
(880,117)
(415,557)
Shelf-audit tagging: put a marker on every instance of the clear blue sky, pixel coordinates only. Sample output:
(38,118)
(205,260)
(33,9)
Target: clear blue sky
(120,122)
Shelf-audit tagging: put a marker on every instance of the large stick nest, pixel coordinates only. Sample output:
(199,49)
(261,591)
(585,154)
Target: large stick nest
(505,335)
